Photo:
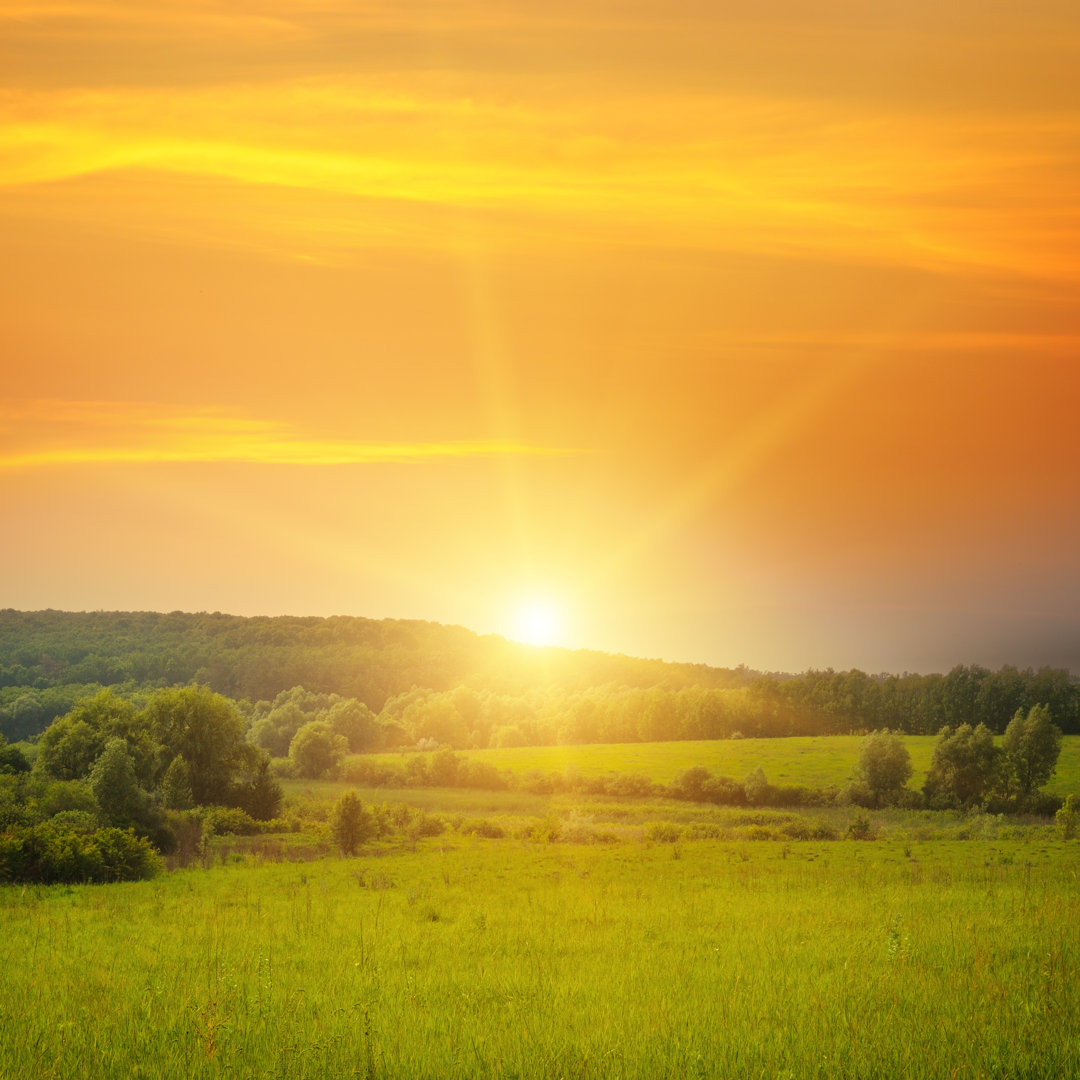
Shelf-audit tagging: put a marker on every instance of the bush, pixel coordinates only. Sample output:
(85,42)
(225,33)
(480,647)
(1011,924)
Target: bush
(483,775)
(538,783)
(756,787)
(65,853)
(703,830)
(426,825)
(632,786)
(490,830)
(860,828)
(350,823)
(797,830)
(1043,804)
(663,832)
(230,820)
(1067,819)
(763,832)
(63,795)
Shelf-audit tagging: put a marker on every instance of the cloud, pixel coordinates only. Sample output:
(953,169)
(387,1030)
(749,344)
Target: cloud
(55,433)
(958,194)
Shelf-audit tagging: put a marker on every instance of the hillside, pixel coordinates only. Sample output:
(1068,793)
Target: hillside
(448,684)
(58,655)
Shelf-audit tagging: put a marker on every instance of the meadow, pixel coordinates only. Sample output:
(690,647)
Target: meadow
(568,935)
(817,762)
(476,958)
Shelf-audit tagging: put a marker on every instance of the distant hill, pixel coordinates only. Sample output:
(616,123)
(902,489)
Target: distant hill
(256,658)
(470,685)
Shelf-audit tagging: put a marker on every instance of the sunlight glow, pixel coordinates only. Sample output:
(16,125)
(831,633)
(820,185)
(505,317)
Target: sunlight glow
(537,623)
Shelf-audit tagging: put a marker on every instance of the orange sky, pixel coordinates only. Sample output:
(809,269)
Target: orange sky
(740,331)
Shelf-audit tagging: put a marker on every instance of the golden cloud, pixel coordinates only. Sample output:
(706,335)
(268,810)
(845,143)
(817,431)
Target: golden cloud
(44,433)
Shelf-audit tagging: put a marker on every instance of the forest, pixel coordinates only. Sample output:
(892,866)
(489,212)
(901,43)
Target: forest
(411,681)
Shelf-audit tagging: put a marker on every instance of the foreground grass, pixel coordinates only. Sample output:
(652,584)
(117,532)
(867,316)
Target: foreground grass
(821,762)
(497,958)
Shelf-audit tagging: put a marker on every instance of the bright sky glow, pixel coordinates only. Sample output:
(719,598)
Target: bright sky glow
(537,623)
(754,326)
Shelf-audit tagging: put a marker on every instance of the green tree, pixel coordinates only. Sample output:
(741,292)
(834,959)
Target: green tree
(12,759)
(67,749)
(316,749)
(884,765)
(176,785)
(964,766)
(208,730)
(350,823)
(1032,744)
(116,787)
(262,795)
(356,722)
(70,745)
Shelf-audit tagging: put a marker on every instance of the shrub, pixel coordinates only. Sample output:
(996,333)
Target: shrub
(67,795)
(763,832)
(484,775)
(358,769)
(483,827)
(756,787)
(703,830)
(539,783)
(1067,819)
(797,830)
(63,853)
(633,786)
(230,820)
(126,857)
(860,828)
(663,832)
(350,823)
(426,825)
(547,830)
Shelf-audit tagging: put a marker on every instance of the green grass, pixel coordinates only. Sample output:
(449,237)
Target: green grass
(827,761)
(498,959)
(593,818)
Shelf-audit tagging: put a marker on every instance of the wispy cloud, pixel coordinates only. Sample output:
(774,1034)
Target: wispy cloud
(52,433)
(971,192)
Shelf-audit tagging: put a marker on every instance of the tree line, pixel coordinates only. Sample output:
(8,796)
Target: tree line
(426,681)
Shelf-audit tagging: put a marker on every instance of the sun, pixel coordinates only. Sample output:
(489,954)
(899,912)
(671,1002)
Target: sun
(537,622)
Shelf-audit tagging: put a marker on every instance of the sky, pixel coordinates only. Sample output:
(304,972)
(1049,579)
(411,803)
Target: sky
(739,331)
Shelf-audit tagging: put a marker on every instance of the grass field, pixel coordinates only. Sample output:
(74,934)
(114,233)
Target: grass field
(600,937)
(603,818)
(500,959)
(827,761)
